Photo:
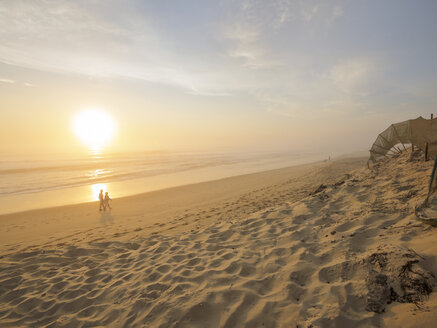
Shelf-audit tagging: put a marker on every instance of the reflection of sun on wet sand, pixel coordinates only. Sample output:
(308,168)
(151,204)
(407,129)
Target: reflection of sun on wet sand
(272,249)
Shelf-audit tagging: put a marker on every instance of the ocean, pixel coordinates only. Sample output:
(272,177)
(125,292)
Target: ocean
(31,183)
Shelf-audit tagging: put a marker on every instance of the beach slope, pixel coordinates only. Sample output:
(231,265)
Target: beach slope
(323,245)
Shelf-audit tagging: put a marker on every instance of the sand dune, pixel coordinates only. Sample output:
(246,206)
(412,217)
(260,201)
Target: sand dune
(287,252)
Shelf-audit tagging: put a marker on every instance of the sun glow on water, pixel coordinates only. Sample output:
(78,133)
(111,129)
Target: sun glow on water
(95,190)
(94,128)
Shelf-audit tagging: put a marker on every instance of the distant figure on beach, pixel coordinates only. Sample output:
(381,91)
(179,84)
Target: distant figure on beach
(107,199)
(102,203)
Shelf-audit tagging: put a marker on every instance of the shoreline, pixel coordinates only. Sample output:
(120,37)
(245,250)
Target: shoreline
(140,194)
(26,227)
(20,202)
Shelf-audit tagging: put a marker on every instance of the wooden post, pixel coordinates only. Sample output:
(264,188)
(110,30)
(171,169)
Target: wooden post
(426,151)
(432,115)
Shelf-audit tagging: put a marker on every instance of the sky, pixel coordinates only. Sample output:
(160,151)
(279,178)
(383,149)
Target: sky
(252,75)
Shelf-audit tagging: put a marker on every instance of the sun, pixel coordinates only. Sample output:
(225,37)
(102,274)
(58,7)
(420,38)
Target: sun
(94,128)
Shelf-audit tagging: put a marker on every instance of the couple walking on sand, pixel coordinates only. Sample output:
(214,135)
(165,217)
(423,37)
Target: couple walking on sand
(104,201)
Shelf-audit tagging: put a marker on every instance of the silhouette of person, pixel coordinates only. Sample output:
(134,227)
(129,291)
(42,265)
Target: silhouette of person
(102,203)
(107,199)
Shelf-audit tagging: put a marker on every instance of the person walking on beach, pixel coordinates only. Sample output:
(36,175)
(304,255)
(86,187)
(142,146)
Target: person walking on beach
(102,203)
(107,199)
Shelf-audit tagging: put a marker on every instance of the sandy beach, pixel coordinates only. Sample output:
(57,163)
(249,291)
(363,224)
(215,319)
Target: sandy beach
(268,164)
(329,244)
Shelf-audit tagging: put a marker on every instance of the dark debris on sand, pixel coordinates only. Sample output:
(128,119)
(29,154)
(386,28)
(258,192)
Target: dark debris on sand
(319,189)
(395,275)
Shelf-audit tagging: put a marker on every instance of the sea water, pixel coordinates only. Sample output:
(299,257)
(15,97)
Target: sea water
(30,183)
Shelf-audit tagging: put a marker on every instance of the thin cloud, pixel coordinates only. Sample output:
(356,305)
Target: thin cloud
(245,47)
(352,74)
(341,89)
(66,37)
(309,13)
(206,93)
(254,22)
(7,81)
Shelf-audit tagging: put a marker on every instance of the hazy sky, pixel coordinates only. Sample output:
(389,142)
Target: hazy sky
(215,75)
